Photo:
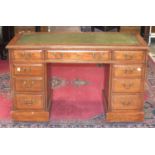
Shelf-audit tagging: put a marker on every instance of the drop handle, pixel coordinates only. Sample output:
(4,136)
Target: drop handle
(57,55)
(127,85)
(125,102)
(29,101)
(26,69)
(26,55)
(128,56)
(132,70)
(129,71)
(28,84)
(23,69)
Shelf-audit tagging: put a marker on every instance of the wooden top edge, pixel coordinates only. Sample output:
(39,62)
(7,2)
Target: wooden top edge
(65,47)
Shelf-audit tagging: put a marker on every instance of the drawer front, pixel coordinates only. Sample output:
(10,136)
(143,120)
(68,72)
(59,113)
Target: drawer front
(129,55)
(27,84)
(127,85)
(29,101)
(23,69)
(127,102)
(128,70)
(83,56)
(24,55)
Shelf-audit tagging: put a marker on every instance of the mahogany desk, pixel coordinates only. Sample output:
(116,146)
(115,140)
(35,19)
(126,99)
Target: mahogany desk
(124,56)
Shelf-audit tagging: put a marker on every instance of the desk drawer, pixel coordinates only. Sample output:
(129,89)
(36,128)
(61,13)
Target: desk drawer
(25,69)
(127,102)
(28,84)
(127,85)
(25,55)
(29,102)
(128,70)
(83,56)
(138,56)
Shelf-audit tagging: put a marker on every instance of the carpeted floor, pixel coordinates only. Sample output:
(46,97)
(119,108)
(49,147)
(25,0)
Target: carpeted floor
(73,113)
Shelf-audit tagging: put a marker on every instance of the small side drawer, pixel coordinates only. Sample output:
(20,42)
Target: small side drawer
(25,55)
(127,85)
(138,56)
(128,70)
(80,56)
(29,102)
(28,84)
(127,102)
(25,69)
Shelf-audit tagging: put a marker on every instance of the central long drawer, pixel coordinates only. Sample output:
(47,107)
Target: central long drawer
(78,55)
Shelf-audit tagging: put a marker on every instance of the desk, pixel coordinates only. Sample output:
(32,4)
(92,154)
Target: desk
(125,56)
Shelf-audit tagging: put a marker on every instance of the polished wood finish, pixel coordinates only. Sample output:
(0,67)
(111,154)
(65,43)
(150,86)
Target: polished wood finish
(125,67)
(138,56)
(127,85)
(27,55)
(127,101)
(124,116)
(85,56)
(28,84)
(128,71)
(30,116)
(28,69)
(29,101)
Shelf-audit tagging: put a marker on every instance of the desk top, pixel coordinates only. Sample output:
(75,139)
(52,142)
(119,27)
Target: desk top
(78,39)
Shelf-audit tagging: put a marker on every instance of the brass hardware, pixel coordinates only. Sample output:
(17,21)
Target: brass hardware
(128,56)
(128,71)
(28,84)
(29,101)
(94,55)
(127,85)
(18,69)
(32,83)
(139,69)
(78,55)
(25,82)
(131,71)
(98,56)
(23,69)
(26,55)
(26,69)
(125,102)
(57,55)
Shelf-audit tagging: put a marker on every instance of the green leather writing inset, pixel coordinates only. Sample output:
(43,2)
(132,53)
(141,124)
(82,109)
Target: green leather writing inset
(78,38)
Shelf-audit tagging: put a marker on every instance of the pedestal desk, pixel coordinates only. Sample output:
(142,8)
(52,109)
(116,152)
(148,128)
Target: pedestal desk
(123,55)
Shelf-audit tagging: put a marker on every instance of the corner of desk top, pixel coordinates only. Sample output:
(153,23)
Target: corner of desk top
(14,40)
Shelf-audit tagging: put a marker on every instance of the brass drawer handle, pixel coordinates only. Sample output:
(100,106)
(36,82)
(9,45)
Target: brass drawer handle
(76,56)
(126,103)
(128,56)
(98,55)
(29,101)
(23,69)
(129,71)
(57,55)
(132,70)
(28,84)
(26,69)
(127,85)
(26,55)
